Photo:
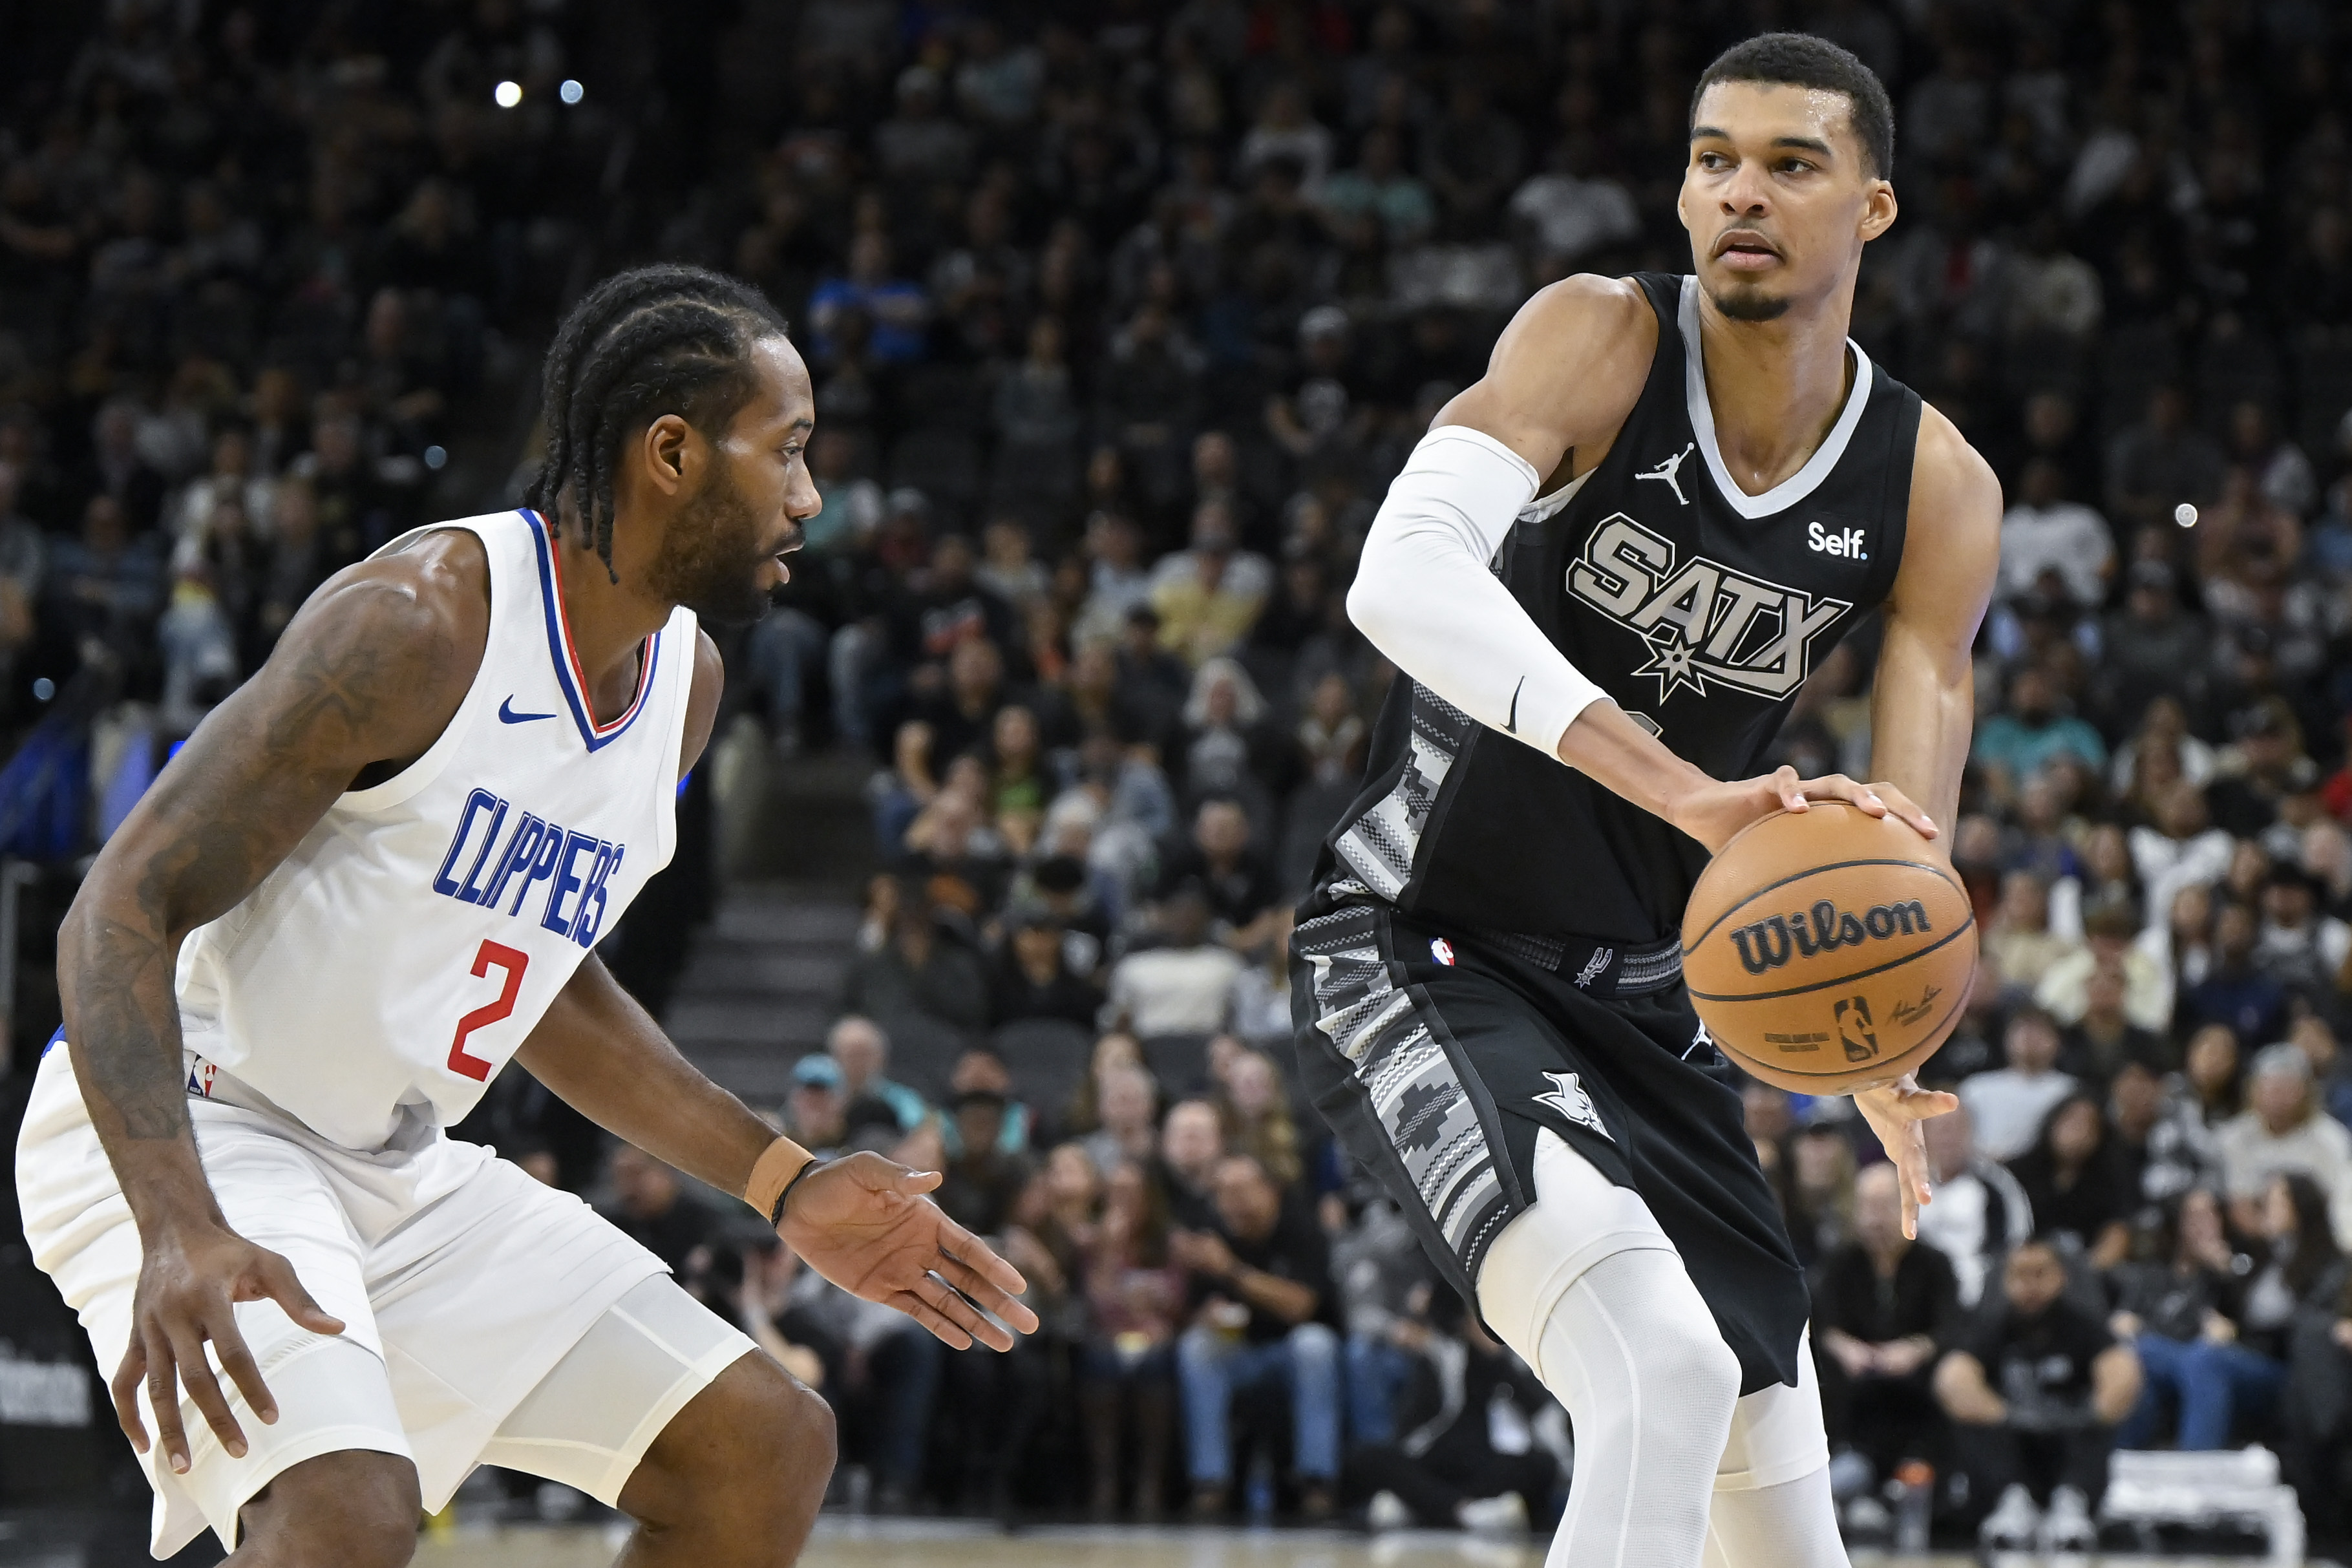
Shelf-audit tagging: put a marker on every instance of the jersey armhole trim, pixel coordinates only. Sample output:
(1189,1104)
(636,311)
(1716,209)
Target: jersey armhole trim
(1901,478)
(417,775)
(684,633)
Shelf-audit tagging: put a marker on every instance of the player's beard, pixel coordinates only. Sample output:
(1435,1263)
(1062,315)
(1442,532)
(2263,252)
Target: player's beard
(712,558)
(1749,303)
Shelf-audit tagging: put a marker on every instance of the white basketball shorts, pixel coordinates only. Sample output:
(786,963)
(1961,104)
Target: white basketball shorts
(464,1285)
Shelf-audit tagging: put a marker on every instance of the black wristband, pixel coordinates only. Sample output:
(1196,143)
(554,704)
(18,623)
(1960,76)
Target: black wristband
(776,1214)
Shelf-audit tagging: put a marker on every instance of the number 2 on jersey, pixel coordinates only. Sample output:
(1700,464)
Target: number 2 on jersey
(514,963)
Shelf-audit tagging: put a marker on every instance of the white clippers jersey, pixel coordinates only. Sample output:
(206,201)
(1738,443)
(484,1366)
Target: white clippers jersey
(407,948)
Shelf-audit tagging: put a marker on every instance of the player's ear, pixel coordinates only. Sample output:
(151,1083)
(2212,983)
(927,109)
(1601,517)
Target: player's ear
(670,449)
(1879,209)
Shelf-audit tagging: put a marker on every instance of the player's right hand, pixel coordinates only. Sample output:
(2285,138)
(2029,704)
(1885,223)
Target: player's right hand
(1715,812)
(189,1283)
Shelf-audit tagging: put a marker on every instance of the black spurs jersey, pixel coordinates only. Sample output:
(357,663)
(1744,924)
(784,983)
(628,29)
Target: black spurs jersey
(1697,607)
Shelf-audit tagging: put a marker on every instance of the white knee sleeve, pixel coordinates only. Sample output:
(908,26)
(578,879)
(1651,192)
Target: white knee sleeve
(1591,1294)
(1792,1524)
(1777,1434)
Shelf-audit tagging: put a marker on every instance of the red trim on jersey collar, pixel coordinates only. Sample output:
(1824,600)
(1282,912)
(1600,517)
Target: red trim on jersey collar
(569,674)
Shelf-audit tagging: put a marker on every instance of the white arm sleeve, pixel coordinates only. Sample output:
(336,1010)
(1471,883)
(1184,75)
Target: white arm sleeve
(1424,596)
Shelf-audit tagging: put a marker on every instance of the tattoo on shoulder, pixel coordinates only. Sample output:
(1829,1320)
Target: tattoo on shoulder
(223,827)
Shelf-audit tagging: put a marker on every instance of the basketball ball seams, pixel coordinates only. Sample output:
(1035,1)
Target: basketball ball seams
(1816,872)
(1962,929)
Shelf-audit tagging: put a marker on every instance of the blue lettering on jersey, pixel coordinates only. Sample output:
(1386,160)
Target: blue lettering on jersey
(575,866)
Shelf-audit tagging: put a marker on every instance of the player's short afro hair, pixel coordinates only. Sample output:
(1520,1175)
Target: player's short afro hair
(1799,59)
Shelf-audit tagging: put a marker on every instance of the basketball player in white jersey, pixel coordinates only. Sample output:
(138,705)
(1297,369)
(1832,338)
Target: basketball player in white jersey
(374,876)
(1600,577)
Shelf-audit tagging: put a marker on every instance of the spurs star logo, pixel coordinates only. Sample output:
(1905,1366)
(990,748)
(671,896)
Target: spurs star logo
(1702,621)
(1569,1099)
(1595,967)
(1670,471)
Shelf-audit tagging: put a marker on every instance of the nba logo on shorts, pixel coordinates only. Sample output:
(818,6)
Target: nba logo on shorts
(1442,950)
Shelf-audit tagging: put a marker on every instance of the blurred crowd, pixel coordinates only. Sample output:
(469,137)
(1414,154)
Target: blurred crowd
(1120,316)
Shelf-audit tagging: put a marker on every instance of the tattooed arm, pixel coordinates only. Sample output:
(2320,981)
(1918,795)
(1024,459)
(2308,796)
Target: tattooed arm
(364,680)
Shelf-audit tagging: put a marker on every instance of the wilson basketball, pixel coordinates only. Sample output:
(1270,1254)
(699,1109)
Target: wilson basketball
(1826,951)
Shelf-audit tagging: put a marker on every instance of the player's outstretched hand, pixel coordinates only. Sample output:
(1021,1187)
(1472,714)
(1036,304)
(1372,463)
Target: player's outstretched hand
(864,1223)
(1716,813)
(189,1283)
(1895,1112)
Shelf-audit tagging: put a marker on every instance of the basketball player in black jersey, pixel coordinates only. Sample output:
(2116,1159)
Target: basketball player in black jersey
(1602,577)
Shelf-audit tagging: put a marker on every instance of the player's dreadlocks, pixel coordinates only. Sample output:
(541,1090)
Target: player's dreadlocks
(642,343)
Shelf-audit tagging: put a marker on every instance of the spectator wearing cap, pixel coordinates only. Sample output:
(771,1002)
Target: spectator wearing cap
(1060,887)
(2261,769)
(1185,985)
(2033,731)
(1210,595)
(862,1050)
(1030,976)
(2043,531)
(812,1113)
(2283,1132)
(2008,1103)
(2300,947)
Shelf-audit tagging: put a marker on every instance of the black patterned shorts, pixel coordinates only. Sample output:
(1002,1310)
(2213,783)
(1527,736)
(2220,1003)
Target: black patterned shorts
(1437,1053)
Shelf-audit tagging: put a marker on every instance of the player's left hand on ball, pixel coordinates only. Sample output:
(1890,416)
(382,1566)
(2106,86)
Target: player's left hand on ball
(864,1223)
(1895,1112)
(1716,813)
(1880,799)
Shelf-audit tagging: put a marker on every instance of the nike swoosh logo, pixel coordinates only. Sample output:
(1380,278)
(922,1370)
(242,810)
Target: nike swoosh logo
(1511,724)
(506,715)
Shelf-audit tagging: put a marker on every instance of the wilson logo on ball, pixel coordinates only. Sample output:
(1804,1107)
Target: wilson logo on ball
(1769,943)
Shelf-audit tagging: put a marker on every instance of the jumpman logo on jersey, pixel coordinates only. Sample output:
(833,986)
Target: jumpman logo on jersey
(1700,1040)
(1670,471)
(1571,1098)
